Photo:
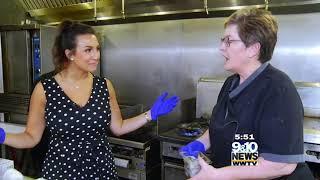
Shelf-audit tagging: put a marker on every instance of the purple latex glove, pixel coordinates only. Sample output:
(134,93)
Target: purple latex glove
(192,149)
(163,106)
(2,135)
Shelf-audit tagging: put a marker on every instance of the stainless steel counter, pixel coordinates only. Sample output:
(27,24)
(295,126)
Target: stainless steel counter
(311,129)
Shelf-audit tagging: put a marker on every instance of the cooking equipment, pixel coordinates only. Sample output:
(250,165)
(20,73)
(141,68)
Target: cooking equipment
(21,59)
(193,129)
(20,47)
(310,95)
(138,160)
(172,140)
(172,164)
(137,154)
(311,129)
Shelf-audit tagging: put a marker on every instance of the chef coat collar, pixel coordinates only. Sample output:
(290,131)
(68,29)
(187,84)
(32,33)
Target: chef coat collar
(253,76)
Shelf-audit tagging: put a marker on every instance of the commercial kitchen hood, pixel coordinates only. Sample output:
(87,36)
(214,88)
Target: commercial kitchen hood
(53,11)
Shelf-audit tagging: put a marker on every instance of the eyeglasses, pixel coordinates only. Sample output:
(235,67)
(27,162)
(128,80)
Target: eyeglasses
(227,42)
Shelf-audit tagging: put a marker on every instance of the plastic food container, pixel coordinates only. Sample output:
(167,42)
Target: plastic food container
(191,164)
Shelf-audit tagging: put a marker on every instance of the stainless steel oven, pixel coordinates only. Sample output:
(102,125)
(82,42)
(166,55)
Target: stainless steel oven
(20,46)
(172,140)
(173,171)
(137,154)
(20,51)
(172,164)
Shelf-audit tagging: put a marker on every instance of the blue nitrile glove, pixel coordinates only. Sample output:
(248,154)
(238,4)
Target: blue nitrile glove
(2,135)
(192,149)
(163,106)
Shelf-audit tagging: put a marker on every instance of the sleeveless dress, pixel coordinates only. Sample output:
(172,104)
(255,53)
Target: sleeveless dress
(78,144)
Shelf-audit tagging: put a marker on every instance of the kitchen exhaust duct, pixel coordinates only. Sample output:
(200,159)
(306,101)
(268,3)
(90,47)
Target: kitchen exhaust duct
(54,11)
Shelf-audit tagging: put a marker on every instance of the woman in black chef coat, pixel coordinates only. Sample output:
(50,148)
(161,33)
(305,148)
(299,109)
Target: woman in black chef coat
(256,129)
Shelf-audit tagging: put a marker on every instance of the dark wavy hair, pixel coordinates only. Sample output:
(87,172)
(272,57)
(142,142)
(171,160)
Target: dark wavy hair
(66,39)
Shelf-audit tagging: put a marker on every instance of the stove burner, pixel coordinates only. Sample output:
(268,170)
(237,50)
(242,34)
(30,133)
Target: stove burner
(190,129)
(190,133)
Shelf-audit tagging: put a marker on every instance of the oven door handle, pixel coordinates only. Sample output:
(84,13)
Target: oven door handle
(122,162)
(170,165)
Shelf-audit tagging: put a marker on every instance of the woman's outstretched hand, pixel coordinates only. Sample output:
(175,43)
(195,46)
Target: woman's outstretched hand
(163,105)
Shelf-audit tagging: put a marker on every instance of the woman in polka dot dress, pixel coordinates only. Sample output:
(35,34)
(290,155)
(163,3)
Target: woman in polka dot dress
(78,108)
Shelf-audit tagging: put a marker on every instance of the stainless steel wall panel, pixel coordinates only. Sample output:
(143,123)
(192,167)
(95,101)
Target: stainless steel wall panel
(145,59)
(207,95)
(47,37)
(298,49)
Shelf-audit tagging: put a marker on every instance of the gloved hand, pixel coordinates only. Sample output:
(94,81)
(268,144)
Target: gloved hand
(2,135)
(163,106)
(192,149)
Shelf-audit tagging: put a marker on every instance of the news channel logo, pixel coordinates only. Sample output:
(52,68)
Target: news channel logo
(244,150)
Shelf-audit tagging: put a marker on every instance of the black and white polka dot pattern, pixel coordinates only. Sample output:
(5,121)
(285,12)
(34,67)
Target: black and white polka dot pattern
(78,147)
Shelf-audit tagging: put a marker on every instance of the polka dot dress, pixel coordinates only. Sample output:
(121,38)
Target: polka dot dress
(78,146)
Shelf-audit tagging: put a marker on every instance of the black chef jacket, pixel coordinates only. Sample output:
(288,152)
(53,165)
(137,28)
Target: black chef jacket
(265,105)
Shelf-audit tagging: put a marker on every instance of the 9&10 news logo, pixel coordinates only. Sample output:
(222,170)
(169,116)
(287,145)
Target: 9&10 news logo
(244,151)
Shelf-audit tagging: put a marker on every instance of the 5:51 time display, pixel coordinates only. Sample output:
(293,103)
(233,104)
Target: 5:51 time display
(243,137)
